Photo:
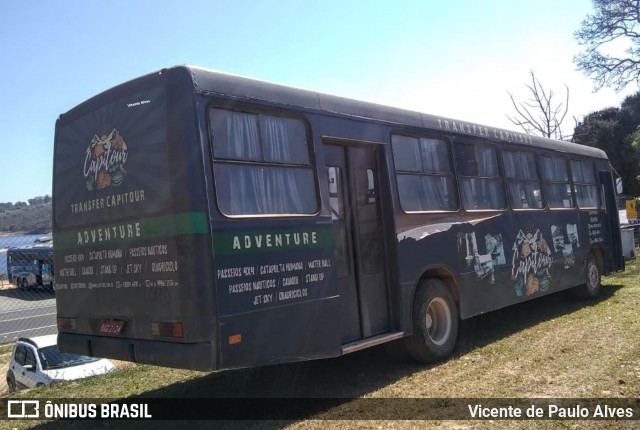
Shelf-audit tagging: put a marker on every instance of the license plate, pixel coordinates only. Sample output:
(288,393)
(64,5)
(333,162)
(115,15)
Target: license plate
(111,326)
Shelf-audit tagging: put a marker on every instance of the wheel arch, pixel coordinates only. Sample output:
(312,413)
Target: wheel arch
(445,274)
(598,253)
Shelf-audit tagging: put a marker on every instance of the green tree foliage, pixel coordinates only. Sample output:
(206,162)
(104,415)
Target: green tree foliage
(614,22)
(613,130)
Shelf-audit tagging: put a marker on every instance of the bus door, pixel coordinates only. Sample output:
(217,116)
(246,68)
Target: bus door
(613,221)
(354,185)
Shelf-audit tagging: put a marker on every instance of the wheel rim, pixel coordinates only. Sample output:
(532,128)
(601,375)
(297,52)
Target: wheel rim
(592,276)
(438,321)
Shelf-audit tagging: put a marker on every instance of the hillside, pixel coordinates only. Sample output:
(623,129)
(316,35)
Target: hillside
(33,219)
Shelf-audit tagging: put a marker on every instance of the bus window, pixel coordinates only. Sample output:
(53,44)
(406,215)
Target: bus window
(261,165)
(480,182)
(371,258)
(336,198)
(523,184)
(556,182)
(584,178)
(423,171)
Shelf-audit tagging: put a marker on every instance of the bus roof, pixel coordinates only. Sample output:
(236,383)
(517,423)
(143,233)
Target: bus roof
(215,83)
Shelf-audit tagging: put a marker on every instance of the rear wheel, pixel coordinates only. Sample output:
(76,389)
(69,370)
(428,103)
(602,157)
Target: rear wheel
(591,288)
(22,284)
(435,323)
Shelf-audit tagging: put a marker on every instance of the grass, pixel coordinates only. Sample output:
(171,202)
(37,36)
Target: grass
(553,347)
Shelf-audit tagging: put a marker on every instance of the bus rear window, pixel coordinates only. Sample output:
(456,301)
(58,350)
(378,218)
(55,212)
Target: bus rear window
(261,164)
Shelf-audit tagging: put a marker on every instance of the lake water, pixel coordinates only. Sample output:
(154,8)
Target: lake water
(8,241)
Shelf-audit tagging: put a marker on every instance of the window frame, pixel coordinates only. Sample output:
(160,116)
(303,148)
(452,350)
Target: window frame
(460,177)
(451,173)
(566,182)
(595,184)
(259,112)
(537,179)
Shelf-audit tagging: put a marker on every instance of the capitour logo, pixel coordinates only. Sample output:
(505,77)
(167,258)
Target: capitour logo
(104,161)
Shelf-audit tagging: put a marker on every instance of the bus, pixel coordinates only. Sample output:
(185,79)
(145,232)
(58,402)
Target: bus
(31,266)
(208,221)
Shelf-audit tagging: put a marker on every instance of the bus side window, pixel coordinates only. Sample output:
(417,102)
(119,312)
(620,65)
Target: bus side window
(557,187)
(336,203)
(584,179)
(424,175)
(261,164)
(369,227)
(523,185)
(480,182)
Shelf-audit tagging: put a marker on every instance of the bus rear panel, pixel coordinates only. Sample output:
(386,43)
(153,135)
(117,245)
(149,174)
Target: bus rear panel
(140,274)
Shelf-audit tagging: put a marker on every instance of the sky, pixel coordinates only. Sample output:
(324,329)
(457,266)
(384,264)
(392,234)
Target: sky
(457,59)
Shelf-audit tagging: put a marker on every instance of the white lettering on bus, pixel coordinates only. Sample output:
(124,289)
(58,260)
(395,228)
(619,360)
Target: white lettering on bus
(271,240)
(115,200)
(476,130)
(125,231)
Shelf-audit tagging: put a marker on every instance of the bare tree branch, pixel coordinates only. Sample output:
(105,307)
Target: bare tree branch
(613,20)
(539,114)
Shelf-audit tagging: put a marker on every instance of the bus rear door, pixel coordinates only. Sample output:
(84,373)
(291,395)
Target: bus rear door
(354,187)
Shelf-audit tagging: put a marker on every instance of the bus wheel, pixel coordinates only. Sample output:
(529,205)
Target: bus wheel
(435,323)
(591,288)
(22,283)
(11,383)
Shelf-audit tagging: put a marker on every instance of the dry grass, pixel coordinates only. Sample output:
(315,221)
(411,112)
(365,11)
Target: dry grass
(549,348)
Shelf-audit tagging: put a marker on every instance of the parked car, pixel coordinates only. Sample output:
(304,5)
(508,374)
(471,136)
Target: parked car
(36,361)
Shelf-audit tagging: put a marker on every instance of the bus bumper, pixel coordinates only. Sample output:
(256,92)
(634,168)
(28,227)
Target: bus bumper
(194,356)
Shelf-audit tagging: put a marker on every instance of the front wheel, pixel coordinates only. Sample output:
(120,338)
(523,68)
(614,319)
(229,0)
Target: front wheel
(591,288)
(435,323)
(11,383)
(22,284)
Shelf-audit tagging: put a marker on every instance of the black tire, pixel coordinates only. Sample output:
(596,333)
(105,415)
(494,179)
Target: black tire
(591,288)
(435,323)
(11,383)
(22,283)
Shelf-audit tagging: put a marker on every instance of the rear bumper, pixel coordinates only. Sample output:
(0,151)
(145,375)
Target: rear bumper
(194,356)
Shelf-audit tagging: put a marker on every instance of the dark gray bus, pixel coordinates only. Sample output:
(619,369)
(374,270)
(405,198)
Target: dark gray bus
(208,221)
(31,266)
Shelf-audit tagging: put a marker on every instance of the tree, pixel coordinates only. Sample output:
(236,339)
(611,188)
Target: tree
(613,130)
(614,21)
(539,114)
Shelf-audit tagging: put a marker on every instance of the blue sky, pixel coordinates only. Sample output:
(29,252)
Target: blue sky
(455,59)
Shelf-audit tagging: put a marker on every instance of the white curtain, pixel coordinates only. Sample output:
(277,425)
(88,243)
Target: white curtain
(482,192)
(264,188)
(523,194)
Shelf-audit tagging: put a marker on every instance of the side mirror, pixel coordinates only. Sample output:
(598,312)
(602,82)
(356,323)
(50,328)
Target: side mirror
(619,189)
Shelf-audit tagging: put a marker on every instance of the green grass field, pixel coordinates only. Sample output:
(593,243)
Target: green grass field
(554,347)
